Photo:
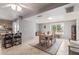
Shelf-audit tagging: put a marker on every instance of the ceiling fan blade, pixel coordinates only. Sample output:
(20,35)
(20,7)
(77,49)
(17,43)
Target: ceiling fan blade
(25,7)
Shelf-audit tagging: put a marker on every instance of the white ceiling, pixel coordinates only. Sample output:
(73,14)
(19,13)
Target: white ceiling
(57,14)
(30,10)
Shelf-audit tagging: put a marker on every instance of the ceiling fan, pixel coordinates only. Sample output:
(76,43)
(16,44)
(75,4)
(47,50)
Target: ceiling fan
(17,6)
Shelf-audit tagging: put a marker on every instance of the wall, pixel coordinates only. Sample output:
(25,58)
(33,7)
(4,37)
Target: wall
(28,30)
(77,30)
(42,29)
(67,29)
(37,28)
(77,20)
(15,25)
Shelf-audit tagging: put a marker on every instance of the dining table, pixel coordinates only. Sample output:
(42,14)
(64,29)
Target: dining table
(45,40)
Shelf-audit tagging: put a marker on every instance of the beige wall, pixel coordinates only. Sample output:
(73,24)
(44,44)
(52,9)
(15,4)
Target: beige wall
(6,23)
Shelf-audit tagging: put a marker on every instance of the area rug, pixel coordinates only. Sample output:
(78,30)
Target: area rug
(51,50)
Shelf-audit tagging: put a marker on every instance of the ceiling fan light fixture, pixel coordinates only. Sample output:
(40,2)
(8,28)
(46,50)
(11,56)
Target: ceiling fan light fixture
(13,7)
(19,8)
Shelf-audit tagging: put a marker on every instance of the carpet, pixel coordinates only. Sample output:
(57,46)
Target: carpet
(51,50)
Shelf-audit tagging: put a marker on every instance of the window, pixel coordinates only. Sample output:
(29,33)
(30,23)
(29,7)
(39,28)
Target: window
(57,27)
(54,28)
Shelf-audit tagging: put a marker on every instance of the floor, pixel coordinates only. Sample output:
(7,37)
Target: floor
(26,49)
(63,50)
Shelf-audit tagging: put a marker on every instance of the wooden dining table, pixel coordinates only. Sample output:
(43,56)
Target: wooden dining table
(45,40)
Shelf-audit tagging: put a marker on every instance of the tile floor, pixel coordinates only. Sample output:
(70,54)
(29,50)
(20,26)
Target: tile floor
(26,49)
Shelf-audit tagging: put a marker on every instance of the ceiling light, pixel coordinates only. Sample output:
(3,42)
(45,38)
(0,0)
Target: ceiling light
(50,18)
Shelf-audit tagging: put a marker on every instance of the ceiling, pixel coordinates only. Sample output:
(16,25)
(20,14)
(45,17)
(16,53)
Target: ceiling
(54,15)
(30,10)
